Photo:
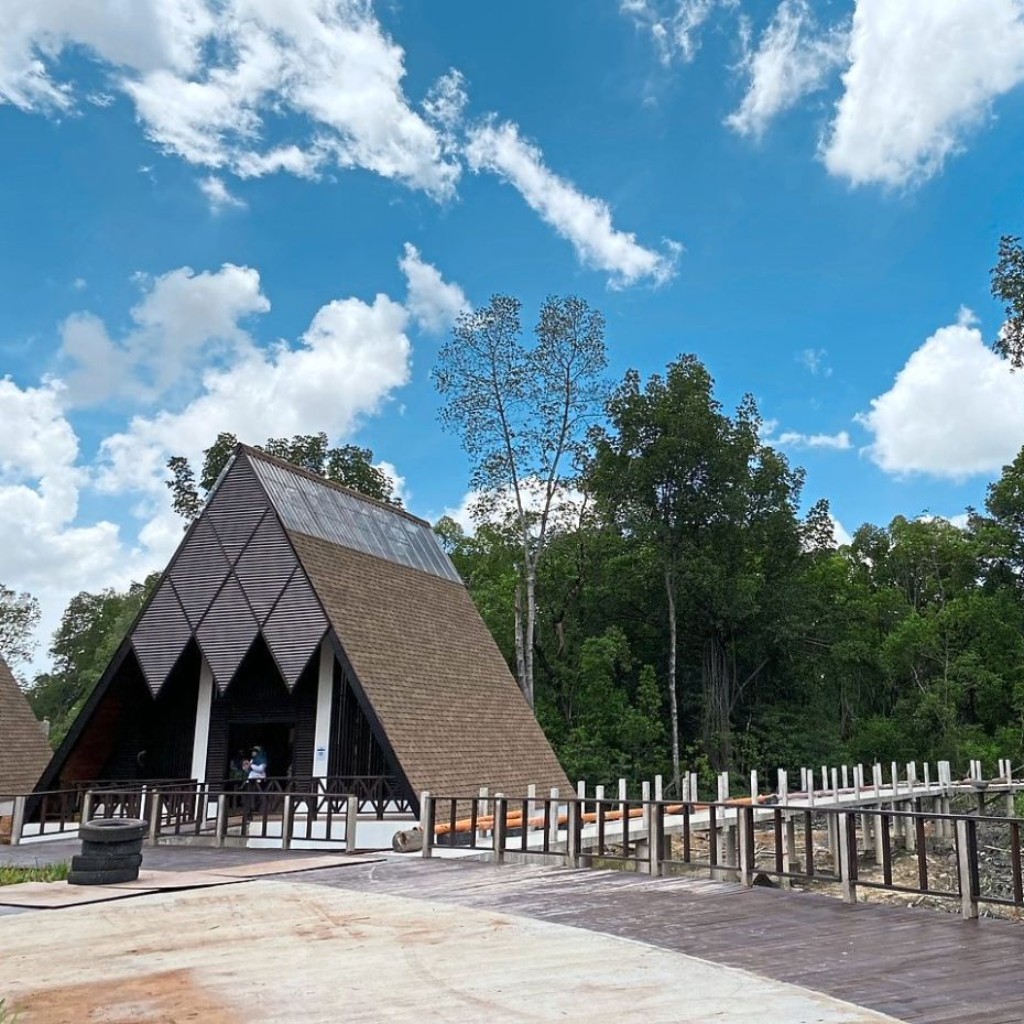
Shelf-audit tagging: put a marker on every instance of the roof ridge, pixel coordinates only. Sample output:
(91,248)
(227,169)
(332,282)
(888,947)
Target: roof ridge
(275,460)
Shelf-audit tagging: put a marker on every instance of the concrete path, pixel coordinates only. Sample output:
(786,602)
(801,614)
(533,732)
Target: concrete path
(286,950)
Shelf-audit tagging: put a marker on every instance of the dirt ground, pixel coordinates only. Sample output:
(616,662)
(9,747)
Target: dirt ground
(283,951)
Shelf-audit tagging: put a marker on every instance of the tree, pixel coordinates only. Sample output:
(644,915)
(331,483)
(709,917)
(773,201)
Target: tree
(522,414)
(19,616)
(1008,286)
(348,465)
(716,508)
(90,630)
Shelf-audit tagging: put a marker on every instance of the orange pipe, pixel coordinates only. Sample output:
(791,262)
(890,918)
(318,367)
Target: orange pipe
(514,819)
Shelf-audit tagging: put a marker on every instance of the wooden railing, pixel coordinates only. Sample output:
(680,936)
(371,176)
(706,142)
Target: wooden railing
(845,848)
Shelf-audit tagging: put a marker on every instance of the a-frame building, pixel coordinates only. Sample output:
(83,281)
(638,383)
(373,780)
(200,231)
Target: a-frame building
(329,628)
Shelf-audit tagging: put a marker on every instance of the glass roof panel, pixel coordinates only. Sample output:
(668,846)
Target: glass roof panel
(340,518)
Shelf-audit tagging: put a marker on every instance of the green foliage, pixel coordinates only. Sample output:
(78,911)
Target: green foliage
(19,616)
(907,643)
(92,627)
(348,465)
(7,1014)
(10,875)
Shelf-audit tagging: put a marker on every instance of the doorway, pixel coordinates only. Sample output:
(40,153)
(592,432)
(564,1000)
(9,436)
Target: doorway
(276,738)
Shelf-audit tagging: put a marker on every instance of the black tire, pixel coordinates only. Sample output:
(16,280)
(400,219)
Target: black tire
(113,830)
(125,849)
(110,876)
(82,862)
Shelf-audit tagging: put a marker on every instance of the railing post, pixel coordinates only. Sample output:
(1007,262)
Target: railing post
(745,821)
(86,806)
(847,856)
(967,867)
(553,819)
(500,827)
(222,819)
(655,838)
(352,823)
(286,823)
(427,812)
(572,835)
(17,820)
(154,816)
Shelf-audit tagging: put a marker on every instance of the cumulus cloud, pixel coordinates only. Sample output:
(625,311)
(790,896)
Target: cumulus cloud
(921,75)
(953,411)
(207,77)
(352,356)
(674,25)
(183,320)
(432,302)
(793,58)
(218,195)
(582,220)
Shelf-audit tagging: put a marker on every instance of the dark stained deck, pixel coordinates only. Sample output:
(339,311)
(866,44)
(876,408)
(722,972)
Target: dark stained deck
(917,965)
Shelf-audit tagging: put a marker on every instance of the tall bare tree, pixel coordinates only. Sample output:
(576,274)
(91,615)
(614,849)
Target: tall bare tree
(522,414)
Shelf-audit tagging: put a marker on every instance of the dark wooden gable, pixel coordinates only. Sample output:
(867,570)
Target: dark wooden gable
(235,577)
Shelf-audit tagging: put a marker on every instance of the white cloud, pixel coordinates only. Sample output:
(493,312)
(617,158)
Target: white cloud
(921,75)
(433,303)
(815,360)
(586,222)
(841,534)
(347,363)
(499,508)
(45,550)
(183,320)
(793,58)
(674,25)
(218,195)
(836,442)
(953,411)
(206,77)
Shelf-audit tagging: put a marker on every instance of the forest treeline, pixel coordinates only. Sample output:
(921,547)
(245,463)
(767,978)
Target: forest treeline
(640,556)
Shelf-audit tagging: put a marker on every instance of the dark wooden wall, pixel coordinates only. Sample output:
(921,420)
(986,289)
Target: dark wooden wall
(354,748)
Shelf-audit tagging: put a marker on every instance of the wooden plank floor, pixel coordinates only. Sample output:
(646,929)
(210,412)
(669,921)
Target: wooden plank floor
(918,965)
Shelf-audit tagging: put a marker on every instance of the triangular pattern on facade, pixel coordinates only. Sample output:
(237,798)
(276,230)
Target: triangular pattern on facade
(160,636)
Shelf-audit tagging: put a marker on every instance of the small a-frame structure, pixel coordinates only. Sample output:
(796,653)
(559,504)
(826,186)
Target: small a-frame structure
(24,748)
(329,628)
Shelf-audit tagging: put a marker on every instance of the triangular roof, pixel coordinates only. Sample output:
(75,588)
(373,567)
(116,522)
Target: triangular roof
(283,553)
(24,749)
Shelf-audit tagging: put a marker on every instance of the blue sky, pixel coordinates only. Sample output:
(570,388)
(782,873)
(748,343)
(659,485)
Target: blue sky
(238,214)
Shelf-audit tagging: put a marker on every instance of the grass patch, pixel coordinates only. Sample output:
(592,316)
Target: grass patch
(46,873)
(7,1015)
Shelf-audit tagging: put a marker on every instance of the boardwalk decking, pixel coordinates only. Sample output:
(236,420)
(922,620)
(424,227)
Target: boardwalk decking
(920,966)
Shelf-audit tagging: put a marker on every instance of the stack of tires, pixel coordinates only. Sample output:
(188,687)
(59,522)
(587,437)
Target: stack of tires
(111,852)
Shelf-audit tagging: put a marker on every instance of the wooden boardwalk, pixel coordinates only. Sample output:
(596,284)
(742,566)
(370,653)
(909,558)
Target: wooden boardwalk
(917,965)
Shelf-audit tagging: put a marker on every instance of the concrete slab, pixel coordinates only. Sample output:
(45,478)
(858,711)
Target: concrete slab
(281,951)
(56,895)
(261,869)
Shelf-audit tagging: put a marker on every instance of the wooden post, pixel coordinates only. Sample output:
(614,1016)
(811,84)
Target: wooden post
(351,823)
(967,867)
(572,834)
(531,804)
(427,812)
(86,806)
(745,821)
(645,796)
(782,787)
(581,790)
(847,852)
(846,777)
(222,819)
(789,858)
(17,820)
(286,823)
(755,789)
(656,839)
(500,827)
(694,786)
(659,788)
(553,819)
(154,816)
